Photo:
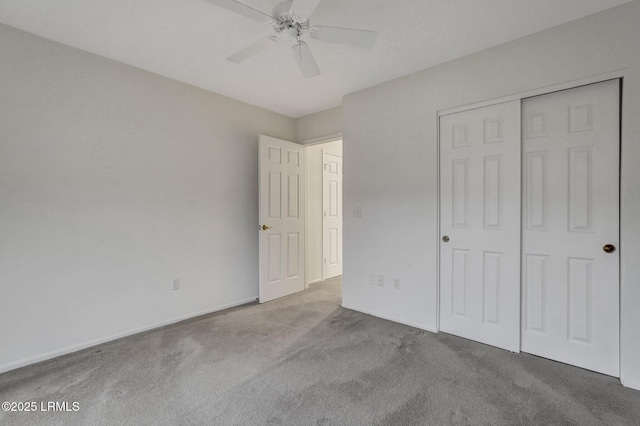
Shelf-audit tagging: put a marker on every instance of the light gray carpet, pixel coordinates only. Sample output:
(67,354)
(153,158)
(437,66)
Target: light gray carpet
(304,360)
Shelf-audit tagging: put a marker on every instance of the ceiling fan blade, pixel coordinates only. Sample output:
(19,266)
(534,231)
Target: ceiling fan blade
(305,60)
(244,54)
(345,36)
(304,8)
(241,9)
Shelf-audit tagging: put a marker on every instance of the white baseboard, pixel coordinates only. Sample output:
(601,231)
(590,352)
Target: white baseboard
(630,384)
(74,348)
(391,318)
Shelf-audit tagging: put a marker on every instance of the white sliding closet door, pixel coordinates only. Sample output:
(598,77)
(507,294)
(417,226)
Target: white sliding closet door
(570,305)
(480,224)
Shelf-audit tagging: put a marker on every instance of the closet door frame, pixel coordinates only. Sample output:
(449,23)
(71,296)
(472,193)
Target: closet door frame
(617,74)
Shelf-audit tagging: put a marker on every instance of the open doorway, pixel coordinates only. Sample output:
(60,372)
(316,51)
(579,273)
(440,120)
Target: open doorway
(323,211)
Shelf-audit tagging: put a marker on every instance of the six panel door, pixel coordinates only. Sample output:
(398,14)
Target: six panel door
(570,303)
(480,224)
(281,216)
(332,215)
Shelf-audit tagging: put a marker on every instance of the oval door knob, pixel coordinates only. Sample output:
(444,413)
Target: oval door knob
(609,248)
(445,239)
(265,227)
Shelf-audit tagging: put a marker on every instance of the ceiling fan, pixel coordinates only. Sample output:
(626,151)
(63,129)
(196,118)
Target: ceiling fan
(290,20)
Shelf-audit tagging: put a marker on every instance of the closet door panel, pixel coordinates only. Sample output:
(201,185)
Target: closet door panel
(480,224)
(570,213)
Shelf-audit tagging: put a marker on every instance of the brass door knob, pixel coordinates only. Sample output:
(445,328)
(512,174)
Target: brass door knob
(265,227)
(609,248)
(445,239)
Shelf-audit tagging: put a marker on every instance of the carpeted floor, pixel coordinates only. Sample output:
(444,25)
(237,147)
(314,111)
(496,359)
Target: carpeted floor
(304,360)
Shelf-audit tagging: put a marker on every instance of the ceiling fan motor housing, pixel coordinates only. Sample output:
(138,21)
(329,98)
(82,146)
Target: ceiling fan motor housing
(287,24)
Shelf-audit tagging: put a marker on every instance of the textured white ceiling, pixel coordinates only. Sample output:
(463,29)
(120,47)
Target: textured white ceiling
(188,40)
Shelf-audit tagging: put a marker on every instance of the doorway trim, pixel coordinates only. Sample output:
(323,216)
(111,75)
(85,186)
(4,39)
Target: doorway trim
(306,144)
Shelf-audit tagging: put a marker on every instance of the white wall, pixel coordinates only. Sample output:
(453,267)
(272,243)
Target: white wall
(390,149)
(114,181)
(314,175)
(321,126)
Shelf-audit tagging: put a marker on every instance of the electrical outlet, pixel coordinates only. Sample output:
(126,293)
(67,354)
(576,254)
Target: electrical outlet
(381,280)
(357,212)
(372,279)
(175,284)
(396,283)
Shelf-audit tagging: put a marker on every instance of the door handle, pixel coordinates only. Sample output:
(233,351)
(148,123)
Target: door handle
(445,239)
(264,227)
(609,248)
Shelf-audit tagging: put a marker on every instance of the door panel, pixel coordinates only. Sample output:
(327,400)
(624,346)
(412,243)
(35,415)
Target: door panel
(480,214)
(281,211)
(571,209)
(332,215)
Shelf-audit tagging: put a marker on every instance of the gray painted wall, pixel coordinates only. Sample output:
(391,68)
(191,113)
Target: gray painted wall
(390,151)
(113,182)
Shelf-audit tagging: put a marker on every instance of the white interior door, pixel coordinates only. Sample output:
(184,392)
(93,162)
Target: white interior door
(281,216)
(571,210)
(332,215)
(480,224)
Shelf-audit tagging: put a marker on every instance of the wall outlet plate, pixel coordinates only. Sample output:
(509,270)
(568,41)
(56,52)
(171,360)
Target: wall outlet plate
(381,280)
